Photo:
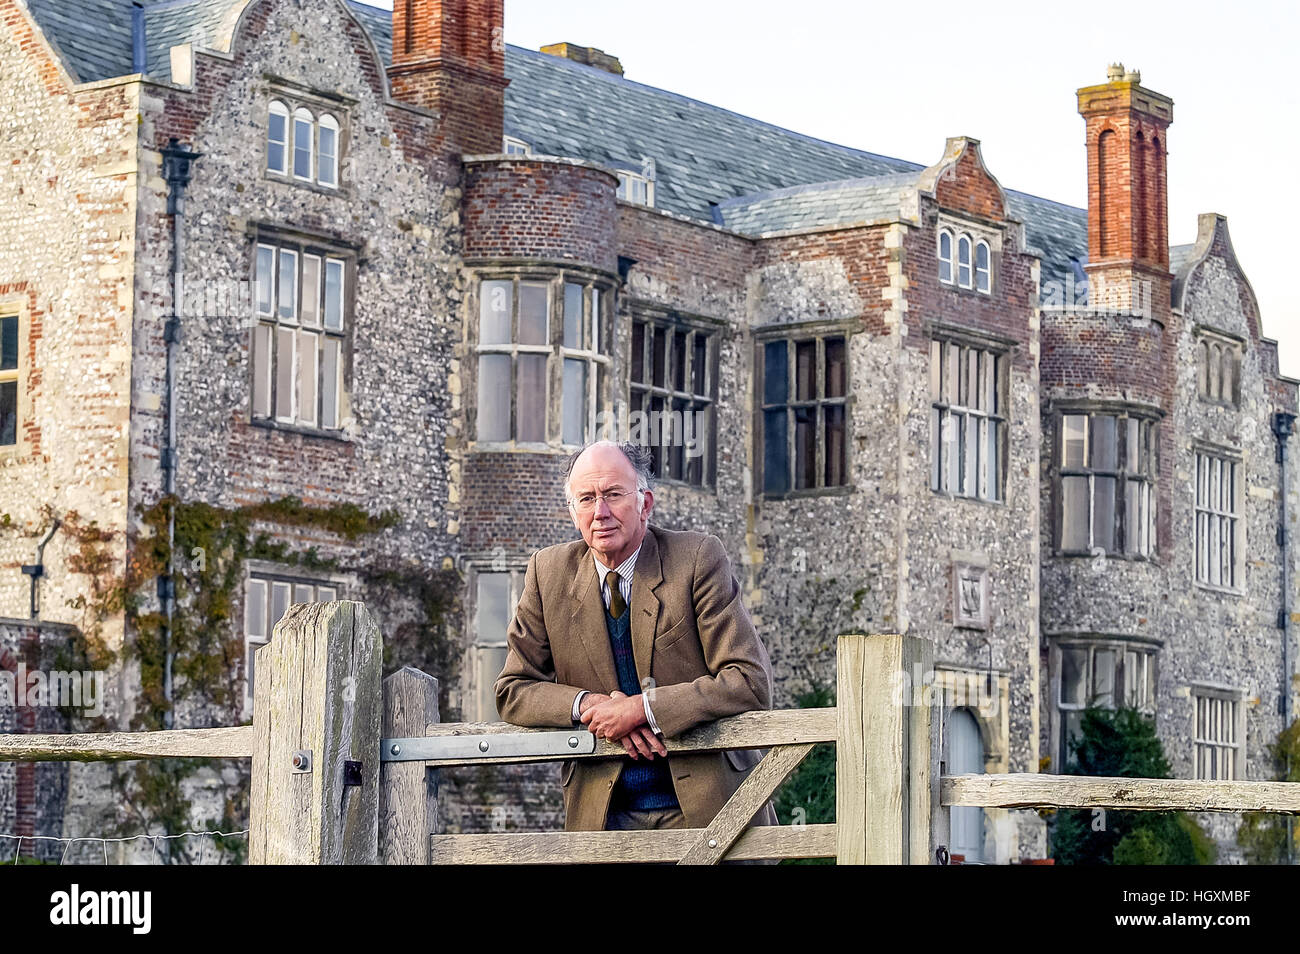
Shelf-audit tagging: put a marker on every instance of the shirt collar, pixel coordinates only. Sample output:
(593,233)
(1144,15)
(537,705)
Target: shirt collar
(624,569)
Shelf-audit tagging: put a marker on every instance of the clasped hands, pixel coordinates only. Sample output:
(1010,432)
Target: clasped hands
(620,718)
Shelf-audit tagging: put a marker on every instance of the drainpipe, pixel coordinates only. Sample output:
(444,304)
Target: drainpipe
(1283,428)
(36,569)
(178,160)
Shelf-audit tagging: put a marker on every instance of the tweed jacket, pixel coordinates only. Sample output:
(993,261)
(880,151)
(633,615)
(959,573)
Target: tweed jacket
(695,649)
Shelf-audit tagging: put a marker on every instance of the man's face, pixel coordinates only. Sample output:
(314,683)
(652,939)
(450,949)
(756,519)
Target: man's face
(613,530)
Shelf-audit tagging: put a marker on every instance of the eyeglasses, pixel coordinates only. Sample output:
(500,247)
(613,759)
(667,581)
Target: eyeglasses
(586,503)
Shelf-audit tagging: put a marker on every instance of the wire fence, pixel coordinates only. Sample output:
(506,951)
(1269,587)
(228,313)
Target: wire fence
(20,839)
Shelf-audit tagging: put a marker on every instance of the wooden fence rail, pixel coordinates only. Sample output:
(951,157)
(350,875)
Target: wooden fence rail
(322,793)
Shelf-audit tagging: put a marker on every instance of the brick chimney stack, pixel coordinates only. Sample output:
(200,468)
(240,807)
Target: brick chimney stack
(449,57)
(1128,224)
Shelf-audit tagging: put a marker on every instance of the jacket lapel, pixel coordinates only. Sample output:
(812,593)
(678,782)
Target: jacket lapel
(646,576)
(587,619)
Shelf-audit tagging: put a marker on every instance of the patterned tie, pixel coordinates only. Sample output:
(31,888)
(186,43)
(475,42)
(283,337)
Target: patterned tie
(616,604)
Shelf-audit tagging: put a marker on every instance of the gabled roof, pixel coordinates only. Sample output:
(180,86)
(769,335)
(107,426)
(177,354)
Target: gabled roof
(710,164)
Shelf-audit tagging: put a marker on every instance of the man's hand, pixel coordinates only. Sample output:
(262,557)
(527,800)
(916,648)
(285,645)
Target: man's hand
(621,718)
(589,700)
(642,740)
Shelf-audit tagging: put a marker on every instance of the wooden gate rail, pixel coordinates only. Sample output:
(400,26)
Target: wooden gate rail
(1026,790)
(320,793)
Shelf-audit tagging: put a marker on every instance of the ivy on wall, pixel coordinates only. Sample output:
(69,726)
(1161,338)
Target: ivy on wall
(206,641)
(1266,838)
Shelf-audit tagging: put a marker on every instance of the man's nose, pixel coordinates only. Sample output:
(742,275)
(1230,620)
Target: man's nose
(602,507)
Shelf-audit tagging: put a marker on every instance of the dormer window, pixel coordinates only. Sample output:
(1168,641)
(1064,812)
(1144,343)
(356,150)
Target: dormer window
(303,142)
(635,188)
(638,187)
(969,264)
(515,147)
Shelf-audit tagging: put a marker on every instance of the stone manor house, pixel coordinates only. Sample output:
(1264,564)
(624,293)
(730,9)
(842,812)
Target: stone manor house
(411,268)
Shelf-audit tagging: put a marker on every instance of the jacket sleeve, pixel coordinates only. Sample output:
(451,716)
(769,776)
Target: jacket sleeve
(741,673)
(526,691)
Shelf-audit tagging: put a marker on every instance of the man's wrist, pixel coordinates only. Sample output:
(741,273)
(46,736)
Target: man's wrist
(649,716)
(577,705)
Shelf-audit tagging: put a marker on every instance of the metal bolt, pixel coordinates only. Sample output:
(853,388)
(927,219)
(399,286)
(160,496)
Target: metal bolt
(573,741)
(483,746)
(395,749)
(713,842)
(297,761)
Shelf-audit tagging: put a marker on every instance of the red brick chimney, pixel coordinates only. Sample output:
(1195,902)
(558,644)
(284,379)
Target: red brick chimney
(449,57)
(1128,224)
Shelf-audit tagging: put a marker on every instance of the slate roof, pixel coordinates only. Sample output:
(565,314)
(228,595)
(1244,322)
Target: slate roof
(710,163)
(94,36)
(848,202)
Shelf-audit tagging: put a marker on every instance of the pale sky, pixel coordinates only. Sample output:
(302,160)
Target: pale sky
(899,78)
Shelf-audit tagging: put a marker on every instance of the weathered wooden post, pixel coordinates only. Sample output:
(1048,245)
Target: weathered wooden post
(883,749)
(316,718)
(408,791)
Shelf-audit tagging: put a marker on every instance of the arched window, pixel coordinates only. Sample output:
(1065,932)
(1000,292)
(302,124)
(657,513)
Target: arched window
(1216,370)
(982,273)
(963,261)
(1203,368)
(965,756)
(277,138)
(1226,374)
(303,135)
(327,163)
(945,256)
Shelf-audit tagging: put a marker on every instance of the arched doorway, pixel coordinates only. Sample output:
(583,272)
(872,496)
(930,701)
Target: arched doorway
(964,755)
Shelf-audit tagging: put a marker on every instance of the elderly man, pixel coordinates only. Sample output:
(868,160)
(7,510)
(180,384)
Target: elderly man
(639,633)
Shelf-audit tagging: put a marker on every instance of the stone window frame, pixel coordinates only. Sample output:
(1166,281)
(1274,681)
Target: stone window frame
(1207,454)
(484,656)
(1217,351)
(305,246)
(273,578)
(950,263)
(326,111)
(1121,646)
(796,333)
(1148,417)
(1218,711)
(15,310)
(642,395)
(943,337)
(598,287)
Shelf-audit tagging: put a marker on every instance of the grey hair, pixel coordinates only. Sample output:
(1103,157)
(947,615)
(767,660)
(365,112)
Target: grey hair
(637,454)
